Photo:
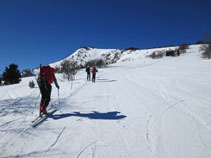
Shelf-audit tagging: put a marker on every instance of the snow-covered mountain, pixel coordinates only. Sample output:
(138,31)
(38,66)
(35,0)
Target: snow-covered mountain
(139,108)
(109,56)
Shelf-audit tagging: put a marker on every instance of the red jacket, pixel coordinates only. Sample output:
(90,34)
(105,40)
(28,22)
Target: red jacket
(52,76)
(48,72)
(94,69)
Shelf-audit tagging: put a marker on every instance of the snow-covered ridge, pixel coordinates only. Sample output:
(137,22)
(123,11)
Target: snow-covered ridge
(109,56)
(85,54)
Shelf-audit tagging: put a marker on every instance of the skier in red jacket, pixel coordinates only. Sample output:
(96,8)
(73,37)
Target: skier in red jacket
(46,77)
(94,70)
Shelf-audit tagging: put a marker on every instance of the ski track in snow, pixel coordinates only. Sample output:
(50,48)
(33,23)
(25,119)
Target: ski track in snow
(87,146)
(54,143)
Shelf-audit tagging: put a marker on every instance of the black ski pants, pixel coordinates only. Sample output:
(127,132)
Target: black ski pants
(46,96)
(93,76)
(88,76)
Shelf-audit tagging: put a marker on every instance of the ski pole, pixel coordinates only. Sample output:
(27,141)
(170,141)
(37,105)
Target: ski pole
(58,97)
(59,101)
(36,103)
(37,99)
(72,82)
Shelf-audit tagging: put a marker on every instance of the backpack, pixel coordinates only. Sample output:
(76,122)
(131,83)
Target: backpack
(88,69)
(47,74)
(94,69)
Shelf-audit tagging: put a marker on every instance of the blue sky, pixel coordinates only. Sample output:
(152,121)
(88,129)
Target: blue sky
(34,32)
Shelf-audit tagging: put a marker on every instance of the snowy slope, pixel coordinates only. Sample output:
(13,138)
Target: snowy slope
(109,56)
(140,108)
(83,55)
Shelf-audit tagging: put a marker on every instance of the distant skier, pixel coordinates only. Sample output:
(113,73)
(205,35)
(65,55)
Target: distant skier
(88,73)
(94,70)
(46,77)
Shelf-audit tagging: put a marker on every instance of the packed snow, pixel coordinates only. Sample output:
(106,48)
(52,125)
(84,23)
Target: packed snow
(142,108)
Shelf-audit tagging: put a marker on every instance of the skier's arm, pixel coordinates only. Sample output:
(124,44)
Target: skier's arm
(56,83)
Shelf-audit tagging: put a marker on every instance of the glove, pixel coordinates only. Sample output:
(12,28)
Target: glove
(57,86)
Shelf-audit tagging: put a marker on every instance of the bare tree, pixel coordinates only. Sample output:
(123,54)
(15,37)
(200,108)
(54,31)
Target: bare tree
(96,62)
(27,73)
(182,48)
(157,54)
(57,68)
(206,51)
(68,68)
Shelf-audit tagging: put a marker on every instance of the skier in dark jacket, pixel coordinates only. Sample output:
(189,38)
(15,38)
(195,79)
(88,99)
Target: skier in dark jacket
(46,77)
(94,70)
(88,73)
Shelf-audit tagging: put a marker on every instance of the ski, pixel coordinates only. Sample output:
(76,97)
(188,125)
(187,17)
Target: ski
(36,119)
(42,118)
(39,117)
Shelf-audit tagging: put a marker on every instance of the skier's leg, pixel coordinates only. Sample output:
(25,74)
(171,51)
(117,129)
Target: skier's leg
(89,76)
(48,97)
(94,75)
(42,106)
(43,97)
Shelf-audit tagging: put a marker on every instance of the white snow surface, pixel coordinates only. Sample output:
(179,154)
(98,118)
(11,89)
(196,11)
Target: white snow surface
(142,108)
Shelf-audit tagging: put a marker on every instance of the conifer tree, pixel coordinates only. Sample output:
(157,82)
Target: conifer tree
(11,75)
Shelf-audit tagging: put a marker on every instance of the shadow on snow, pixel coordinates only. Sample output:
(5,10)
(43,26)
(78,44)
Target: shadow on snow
(105,80)
(94,115)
